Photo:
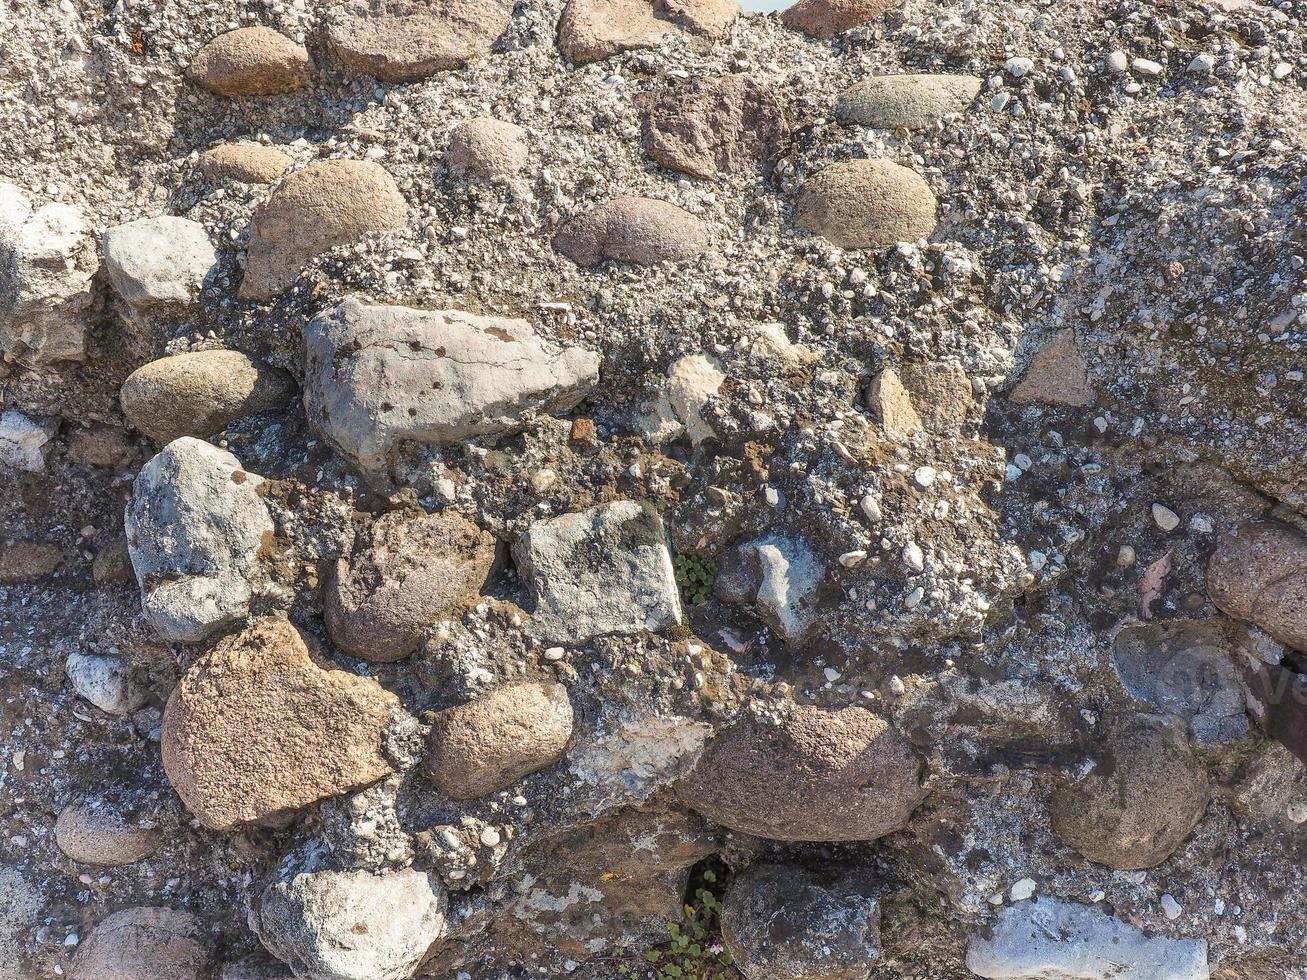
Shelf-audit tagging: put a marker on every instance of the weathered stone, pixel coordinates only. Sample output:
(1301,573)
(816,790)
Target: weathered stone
(892,406)
(906,101)
(195,529)
(1052,938)
(250,163)
(866,204)
(712,126)
(407,40)
(24,441)
(144,944)
(379,375)
(103,446)
(940,392)
(1057,375)
(814,776)
(100,833)
(159,262)
(113,564)
(200,393)
(107,682)
(1259,575)
(603,570)
(627,755)
(780,575)
(405,573)
(251,61)
(488,148)
(328,203)
(489,744)
(259,728)
(594,29)
(823,19)
(352,925)
(47,262)
(27,561)
(784,920)
(1137,805)
(632,229)
(257,966)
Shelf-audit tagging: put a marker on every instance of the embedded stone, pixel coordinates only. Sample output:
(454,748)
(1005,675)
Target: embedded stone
(159,262)
(144,944)
(823,19)
(590,30)
(408,40)
(251,61)
(100,833)
(107,682)
(866,204)
(639,230)
(892,406)
(250,163)
(1259,575)
(906,101)
(488,148)
(1056,375)
(940,393)
(28,561)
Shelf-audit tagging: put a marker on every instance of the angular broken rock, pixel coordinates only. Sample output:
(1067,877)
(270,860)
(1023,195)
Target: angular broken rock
(780,575)
(24,442)
(1140,801)
(328,203)
(378,375)
(784,920)
(1057,375)
(103,835)
(892,406)
(259,728)
(601,571)
(491,743)
(195,528)
(1051,937)
(407,40)
(163,261)
(940,393)
(487,148)
(906,101)
(814,776)
(144,944)
(200,393)
(632,229)
(692,381)
(712,126)
(823,19)
(47,262)
(27,561)
(1259,575)
(250,163)
(251,61)
(352,925)
(866,204)
(107,682)
(406,572)
(590,30)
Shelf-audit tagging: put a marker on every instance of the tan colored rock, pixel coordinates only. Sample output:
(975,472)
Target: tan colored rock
(27,561)
(1057,375)
(1137,805)
(708,18)
(488,148)
(407,40)
(815,776)
(823,19)
(906,101)
(866,204)
(491,743)
(591,30)
(892,406)
(251,61)
(711,126)
(940,392)
(250,163)
(113,564)
(103,836)
(1259,575)
(639,230)
(259,728)
(144,944)
(328,203)
(406,572)
(200,393)
(102,446)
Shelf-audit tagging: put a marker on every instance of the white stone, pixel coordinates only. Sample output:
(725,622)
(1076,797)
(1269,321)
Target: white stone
(23,441)
(1018,67)
(691,382)
(162,261)
(1116,61)
(913,557)
(1022,890)
(790,576)
(870,505)
(1146,67)
(106,682)
(1202,64)
(1170,907)
(1165,518)
(924,476)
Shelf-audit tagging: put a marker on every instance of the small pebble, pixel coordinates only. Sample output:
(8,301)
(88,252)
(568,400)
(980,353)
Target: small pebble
(1022,890)
(1165,518)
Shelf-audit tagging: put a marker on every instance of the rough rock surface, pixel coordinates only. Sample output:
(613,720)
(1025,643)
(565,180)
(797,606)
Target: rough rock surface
(259,728)
(488,148)
(906,101)
(24,442)
(591,30)
(491,743)
(162,261)
(814,775)
(408,40)
(1056,375)
(251,61)
(892,405)
(99,834)
(823,19)
(1259,574)
(144,944)
(251,163)
(406,572)
(379,375)
(866,204)
(632,229)
(107,682)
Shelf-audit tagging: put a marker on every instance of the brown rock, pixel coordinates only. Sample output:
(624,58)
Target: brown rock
(251,61)
(816,776)
(27,561)
(101,446)
(866,204)
(250,163)
(709,18)
(113,564)
(711,126)
(258,728)
(1057,375)
(941,393)
(892,406)
(328,203)
(593,29)
(491,743)
(200,393)
(1259,575)
(405,573)
(102,835)
(823,19)
(488,148)
(144,944)
(632,229)
(407,40)
(1137,805)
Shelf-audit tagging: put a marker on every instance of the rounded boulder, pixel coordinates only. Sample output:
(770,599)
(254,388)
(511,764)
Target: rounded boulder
(866,204)
(251,61)
(144,944)
(638,230)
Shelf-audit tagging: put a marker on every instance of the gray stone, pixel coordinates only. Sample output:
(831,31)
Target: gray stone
(144,944)
(866,204)
(639,230)
(195,527)
(780,575)
(352,925)
(23,441)
(1053,939)
(906,101)
(784,920)
(1259,574)
(378,375)
(100,833)
(159,262)
(603,570)
(106,682)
